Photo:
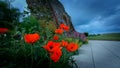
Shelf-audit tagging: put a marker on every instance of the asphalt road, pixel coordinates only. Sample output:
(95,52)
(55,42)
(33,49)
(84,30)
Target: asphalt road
(99,54)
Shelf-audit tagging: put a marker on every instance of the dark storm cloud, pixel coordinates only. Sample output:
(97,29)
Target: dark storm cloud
(94,16)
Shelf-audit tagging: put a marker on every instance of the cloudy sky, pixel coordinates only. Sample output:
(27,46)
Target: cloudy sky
(93,16)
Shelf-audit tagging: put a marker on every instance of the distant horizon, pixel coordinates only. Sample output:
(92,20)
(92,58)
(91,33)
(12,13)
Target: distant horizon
(105,33)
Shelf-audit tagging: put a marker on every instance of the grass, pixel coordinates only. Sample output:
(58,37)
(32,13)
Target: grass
(108,36)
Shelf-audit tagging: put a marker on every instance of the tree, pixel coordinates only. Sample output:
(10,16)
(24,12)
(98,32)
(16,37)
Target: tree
(8,15)
(86,34)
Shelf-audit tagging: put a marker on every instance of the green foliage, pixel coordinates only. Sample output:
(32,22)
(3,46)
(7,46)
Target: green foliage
(30,25)
(9,16)
(17,53)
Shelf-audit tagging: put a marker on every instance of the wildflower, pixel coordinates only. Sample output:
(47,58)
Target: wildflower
(54,50)
(72,47)
(55,37)
(62,26)
(51,46)
(3,30)
(56,55)
(31,38)
(64,43)
(58,31)
(67,28)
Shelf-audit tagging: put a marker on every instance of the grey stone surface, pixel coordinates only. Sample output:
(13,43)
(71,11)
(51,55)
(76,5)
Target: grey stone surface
(50,10)
(99,54)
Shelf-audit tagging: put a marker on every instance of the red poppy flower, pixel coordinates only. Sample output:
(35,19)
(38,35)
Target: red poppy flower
(58,31)
(64,43)
(51,46)
(55,37)
(31,38)
(56,55)
(62,26)
(3,30)
(72,47)
(67,28)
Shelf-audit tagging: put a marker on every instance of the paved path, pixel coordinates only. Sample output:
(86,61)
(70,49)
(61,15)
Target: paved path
(99,54)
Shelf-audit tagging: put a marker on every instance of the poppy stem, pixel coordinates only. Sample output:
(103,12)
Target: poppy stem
(50,63)
(31,56)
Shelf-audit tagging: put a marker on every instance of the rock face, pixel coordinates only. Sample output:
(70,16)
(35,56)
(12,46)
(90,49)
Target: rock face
(53,10)
(50,10)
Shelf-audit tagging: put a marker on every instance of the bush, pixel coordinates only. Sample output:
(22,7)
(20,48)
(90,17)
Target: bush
(33,46)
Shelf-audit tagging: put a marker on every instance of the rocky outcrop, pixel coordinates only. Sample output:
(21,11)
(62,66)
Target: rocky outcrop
(50,10)
(53,10)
